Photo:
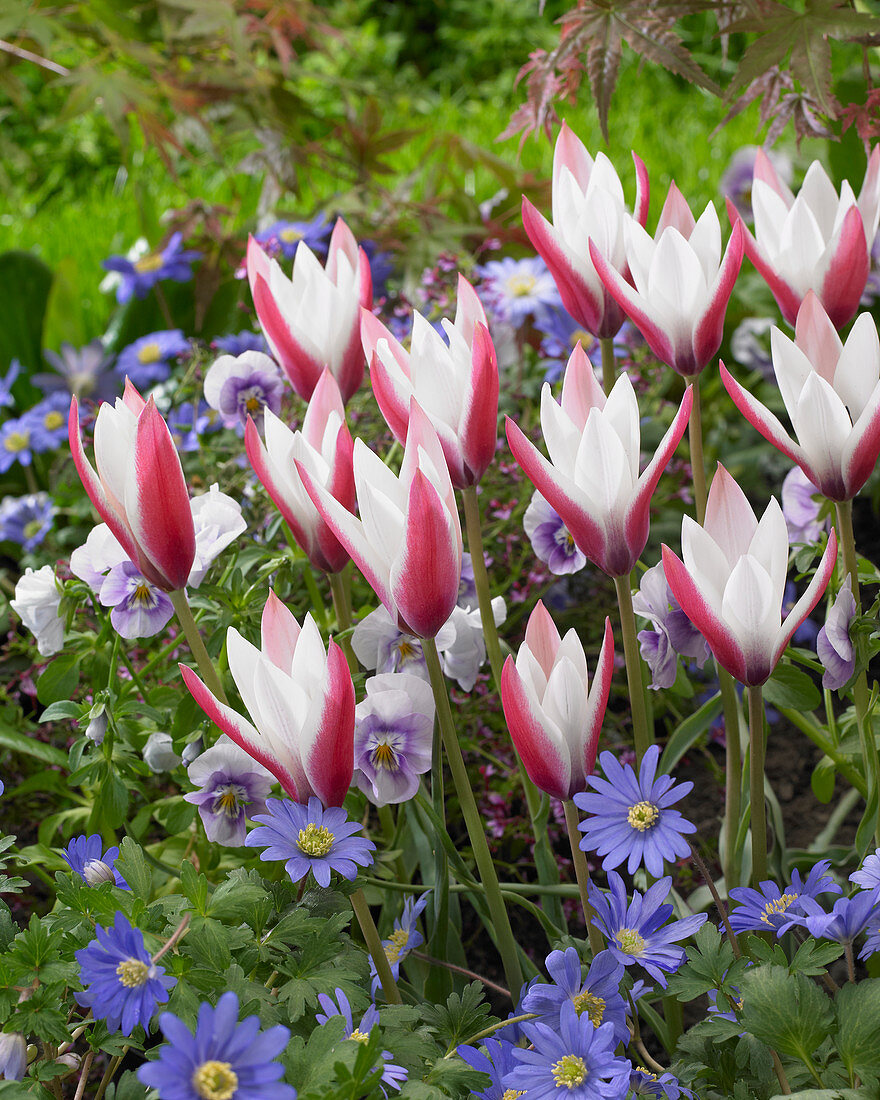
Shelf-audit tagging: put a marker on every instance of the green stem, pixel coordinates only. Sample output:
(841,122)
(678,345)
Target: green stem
(374,946)
(698,468)
(476,829)
(641,732)
(732,776)
(342,608)
(756,785)
(196,645)
(486,1032)
(861,695)
(608,364)
(545,862)
(817,735)
(582,873)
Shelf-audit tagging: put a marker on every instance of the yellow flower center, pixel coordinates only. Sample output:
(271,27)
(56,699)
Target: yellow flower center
(315,840)
(150,353)
(593,1006)
(32,528)
(643,816)
(630,941)
(384,756)
(215,1081)
(399,939)
(132,973)
(521,286)
(143,594)
(145,264)
(581,336)
(778,905)
(511,1094)
(569,1072)
(290,235)
(228,799)
(52,421)
(647,1073)
(17,441)
(359,1036)
(407,651)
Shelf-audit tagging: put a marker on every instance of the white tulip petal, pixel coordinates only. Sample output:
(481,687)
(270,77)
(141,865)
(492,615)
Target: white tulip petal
(858,368)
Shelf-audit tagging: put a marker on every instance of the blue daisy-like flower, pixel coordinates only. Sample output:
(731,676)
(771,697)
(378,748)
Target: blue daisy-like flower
(597,995)
(868,875)
(147,360)
(123,984)
(405,938)
(644,1083)
(86,857)
(848,918)
(777,908)
(576,1057)
(138,276)
(222,1060)
(497,1062)
(392,1075)
(637,932)
(310,838)
(631,818)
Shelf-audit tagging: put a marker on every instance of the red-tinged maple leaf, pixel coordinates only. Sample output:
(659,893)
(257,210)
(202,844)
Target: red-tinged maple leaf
(865,117)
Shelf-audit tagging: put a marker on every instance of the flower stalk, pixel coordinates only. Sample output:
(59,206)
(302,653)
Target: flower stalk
(374,946)
(641,732)
(582,871)
(756,785)
(197,646)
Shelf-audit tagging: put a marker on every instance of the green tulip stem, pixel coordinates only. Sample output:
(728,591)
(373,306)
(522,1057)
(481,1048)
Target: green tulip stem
(374,946)
(732,775)
(196,645)
(339,590)
(582,871)
(474,823)
(695,438)
(608,364)
(756,785)
(641,732)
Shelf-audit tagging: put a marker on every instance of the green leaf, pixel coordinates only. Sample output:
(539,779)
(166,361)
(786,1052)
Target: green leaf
(688,732)
(59,679)
(113,800)
(239,899)
(822,779)
(206,944)
(791,687)
(812,957)
(64,708)
(786,1011)
(134,869)
(858,1021)
(461,1016)
(19,742)
(195,887)
(24,290)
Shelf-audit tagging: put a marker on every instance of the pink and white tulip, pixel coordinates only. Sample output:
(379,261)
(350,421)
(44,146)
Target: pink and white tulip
(139,489)
(457,386)
(818,241)
(325,448)
(300,698)
(587,204)
(407,542)
(553,713)
(731,582)
(831,392)
(312,320)
(592,477)
(682,283)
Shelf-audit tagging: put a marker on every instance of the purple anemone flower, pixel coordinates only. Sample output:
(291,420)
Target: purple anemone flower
(801,509)
(242,386)
(597,995)
(673,632)
(148,360)
(644,1083)
(772,907)
(140,609)
(868,875)
(84,371)
(138,277)
(848,918)
(189,422)
(239,342)
(310,838)
(15,443)
(518,290)
(631,818)
(86,857)
(223,1058)
(26,520)
(551,540)
(736,182)
(405,938)
(393,1076)
(124,984)
(393,737)
(232,786)
(284,237)
(48,422)
(833,642)
(637,931)
(497,1062)
(577,1057)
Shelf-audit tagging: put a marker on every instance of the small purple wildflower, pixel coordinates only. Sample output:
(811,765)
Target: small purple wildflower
(801,509)
(631,817)
(868,875)
(242,386)
(239,342)
(392,1075)
(380,644)
(26,520)
(147,361)
(82,371)
(577,1057)
(597,995)
(833,642)
(310,838)
(15,443)
(551,540)
(124,984)
(393,737)
(779,909)
(86,857)
(637,931)
(405,938)
(518,290)
(223,1058)
(644,1083)
(848,918)
(48,422)
(674,633)
(284,237)
(497,1062)
(140,609)
(138,277)
(100,552)
(232,786)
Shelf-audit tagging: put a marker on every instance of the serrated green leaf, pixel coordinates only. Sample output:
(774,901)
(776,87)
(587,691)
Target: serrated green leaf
(858,1025)
(134,869)
(787,1011)
(59,679)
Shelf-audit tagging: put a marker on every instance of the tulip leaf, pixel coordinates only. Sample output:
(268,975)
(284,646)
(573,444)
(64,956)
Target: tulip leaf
(822,779)
(686,735)
(19,742)
(791,687)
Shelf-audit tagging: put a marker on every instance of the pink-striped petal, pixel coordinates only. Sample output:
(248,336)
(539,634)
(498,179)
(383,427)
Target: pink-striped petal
(765,421)
(263,467)
(393,400)
(643,191)
(279,632)
(812,595)
(547,764)
(478,431)
(710,328)
(787,298)
(299,365)
(327,747)
(847,274)
(542,638)
(597,701)
(676,213)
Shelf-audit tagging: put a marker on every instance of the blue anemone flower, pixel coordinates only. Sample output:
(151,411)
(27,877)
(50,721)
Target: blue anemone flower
(631,818)
(577,1057)
(223,1058)
(26,520)
(848,918)
(644,1083)
(138,276)
(405,938)
(284,236)
(497,1062)
(775,908)
(311,838)
(392,1075)
(637,931)
(48,422)
(597,995)
(124,984)
(868,875)
(86,857)
(147,360)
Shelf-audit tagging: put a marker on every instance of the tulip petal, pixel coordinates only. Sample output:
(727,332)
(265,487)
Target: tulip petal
(279,631)
(542,637)
(847,274)
(597,701)
(298,364)
(787,297)
(327,745)
(478,430)
(812,595)
(546,762)
(710,328)
(766,422)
